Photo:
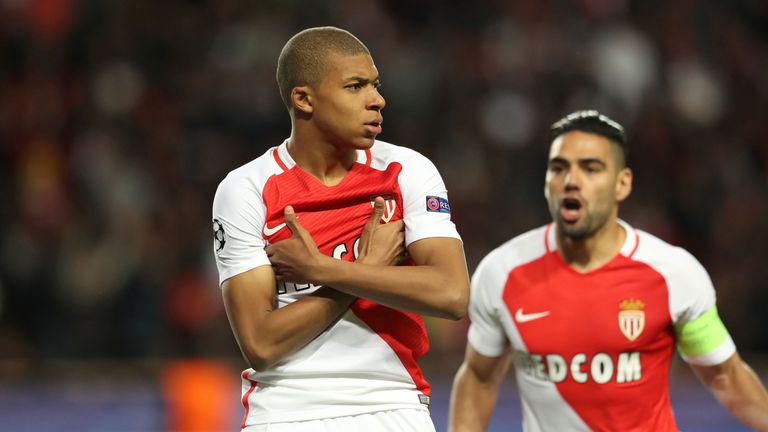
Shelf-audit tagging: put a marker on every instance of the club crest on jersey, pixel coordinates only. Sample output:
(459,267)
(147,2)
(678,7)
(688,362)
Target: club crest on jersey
(631,318)
(390,205)
(438,204)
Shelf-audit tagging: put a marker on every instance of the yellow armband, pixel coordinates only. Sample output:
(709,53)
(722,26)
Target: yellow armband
(702,335)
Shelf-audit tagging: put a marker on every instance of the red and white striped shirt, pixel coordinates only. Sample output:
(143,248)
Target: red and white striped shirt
(591,350)
(367,361)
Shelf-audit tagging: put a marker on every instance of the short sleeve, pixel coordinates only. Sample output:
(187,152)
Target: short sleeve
(701,337)
(427,212)
(486,334)
(238,218)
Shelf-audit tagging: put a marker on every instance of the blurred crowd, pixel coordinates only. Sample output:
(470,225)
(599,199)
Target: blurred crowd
(118,119)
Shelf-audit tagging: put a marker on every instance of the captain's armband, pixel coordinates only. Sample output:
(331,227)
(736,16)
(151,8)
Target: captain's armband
(704,340)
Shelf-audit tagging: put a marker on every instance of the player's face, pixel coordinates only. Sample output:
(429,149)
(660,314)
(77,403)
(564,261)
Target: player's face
(346,105)
(584,184)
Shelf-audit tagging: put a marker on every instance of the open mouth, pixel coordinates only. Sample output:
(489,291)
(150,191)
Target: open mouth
(571,204)
(570,209)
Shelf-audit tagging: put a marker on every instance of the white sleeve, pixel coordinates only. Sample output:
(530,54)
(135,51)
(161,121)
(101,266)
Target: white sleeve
(692,290)
(425,200)
(486,334)
(701,337)
(238,218)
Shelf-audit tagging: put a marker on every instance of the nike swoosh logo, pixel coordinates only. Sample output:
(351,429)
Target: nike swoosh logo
(269,232)
(523,317)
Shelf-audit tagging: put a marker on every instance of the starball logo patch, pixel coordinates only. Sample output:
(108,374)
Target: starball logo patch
(219,237)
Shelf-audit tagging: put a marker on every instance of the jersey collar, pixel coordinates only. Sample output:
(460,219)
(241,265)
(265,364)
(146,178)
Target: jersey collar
(631,241)
(284,159)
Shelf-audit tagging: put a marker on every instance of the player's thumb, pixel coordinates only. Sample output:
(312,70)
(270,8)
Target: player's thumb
(378,211)
(291,220)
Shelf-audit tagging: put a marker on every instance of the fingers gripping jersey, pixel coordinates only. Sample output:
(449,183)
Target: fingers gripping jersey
(367,361)
(592,351)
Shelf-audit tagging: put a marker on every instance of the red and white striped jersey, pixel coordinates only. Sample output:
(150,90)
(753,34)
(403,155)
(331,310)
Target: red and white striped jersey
(367,361)
(591,351)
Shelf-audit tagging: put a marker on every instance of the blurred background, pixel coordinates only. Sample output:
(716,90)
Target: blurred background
(118,119)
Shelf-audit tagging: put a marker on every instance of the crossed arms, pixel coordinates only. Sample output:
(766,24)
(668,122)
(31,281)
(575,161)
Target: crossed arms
(437,285)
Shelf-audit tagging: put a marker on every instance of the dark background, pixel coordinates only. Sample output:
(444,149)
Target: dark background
(119,118)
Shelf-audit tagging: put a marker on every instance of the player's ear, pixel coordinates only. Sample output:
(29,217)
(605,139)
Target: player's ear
(623,184)
(301,98)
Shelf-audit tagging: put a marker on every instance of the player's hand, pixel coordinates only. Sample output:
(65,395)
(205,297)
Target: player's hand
(297,258)
(381,244)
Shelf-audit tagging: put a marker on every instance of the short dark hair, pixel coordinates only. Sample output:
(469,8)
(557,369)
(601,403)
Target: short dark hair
(303,58)
(592,121)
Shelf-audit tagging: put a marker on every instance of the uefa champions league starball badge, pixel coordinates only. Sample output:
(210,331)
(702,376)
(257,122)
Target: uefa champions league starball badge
(218,236)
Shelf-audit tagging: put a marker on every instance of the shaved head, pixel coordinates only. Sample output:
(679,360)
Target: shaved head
(591,121)
(303,60)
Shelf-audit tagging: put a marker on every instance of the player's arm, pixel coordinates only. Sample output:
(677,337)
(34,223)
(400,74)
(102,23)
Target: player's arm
(266,333)
(475,390)
(705,344)
(738,389)
(437,285)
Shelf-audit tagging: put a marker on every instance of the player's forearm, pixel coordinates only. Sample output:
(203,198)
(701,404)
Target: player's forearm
(740,391)
(472,403)
(267,336)
(424,289)
(746,398)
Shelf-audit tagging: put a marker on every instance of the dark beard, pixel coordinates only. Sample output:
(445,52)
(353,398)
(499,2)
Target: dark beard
(587,226)
(574,231)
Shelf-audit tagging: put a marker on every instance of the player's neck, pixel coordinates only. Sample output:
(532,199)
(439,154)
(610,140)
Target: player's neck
(591,252)
(324,161)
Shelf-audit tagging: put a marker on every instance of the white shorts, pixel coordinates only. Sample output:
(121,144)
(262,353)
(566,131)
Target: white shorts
(400,420)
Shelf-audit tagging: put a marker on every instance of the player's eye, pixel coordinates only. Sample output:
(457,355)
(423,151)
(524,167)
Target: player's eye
(556,168)
(593,168)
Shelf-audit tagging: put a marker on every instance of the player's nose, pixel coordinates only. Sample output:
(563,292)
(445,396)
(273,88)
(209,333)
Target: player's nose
(376,101)
(572,180)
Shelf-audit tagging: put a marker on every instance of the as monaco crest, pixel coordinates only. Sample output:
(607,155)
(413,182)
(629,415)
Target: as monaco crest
(389,206)
(631,318)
